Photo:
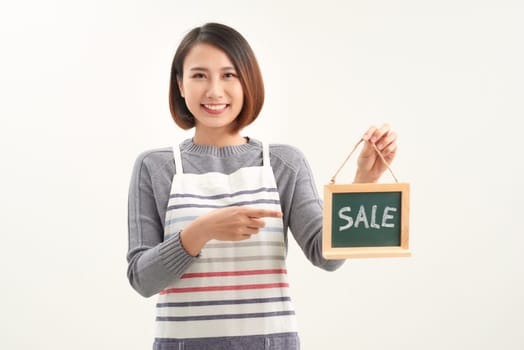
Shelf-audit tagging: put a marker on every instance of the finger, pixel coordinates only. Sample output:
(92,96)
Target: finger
(244,231)
(262,213)
(256,223)
(379,133)
(369,132)
(245,234)
(387,140)
(250,231)
(390,152)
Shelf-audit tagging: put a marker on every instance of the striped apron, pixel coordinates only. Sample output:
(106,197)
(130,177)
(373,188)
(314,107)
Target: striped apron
(235,291)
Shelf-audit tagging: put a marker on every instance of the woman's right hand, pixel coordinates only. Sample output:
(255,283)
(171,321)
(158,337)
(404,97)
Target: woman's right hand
(225,224)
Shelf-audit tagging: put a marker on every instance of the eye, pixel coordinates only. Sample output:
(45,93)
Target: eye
(198,76)
(230,75)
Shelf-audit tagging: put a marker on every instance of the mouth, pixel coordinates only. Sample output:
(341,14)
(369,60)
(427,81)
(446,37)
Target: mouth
(214,108)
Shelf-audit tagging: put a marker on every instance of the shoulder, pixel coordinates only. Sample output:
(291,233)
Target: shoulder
(154,159)
(288,155)
(154,156)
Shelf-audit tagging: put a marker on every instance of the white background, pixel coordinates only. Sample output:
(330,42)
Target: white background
(84,90)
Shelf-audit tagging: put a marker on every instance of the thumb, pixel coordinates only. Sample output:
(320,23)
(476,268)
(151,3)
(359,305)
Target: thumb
(368,150)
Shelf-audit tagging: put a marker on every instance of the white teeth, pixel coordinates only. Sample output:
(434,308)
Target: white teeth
(215,107)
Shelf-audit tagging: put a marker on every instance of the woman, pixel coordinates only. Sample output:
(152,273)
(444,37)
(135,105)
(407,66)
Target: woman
(208,218)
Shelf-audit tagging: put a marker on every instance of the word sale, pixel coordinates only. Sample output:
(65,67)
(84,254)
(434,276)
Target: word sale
(362,218)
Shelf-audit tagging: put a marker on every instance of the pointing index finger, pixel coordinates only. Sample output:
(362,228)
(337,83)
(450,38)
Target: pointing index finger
(263,213)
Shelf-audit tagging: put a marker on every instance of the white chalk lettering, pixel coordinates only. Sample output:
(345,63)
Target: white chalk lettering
(374,217)
(386,217)
(343,216)
(361,217)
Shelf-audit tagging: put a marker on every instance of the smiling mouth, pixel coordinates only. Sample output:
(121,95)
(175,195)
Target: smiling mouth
(215,109)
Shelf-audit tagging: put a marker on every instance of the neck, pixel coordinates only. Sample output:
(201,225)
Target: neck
(218,139)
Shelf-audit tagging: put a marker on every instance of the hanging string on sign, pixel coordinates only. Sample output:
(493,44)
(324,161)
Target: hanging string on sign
(353,151)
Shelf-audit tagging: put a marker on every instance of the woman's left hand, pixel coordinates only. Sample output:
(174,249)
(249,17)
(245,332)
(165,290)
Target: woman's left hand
(370,166)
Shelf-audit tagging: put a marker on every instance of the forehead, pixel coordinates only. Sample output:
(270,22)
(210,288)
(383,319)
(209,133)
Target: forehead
(207,56)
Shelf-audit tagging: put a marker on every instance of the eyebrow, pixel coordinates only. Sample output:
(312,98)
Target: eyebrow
(206,70)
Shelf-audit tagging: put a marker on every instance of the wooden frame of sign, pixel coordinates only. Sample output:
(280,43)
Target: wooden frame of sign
(366,221)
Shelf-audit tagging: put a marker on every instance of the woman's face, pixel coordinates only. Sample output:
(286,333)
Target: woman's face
(211,88)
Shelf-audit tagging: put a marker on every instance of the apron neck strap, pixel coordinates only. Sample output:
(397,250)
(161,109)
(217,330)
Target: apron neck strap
(178,160)
(265,154)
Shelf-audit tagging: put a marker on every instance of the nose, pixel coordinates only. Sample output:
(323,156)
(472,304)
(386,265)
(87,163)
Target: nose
(215,89)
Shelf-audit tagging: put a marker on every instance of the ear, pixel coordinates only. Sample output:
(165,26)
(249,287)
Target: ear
(180,86)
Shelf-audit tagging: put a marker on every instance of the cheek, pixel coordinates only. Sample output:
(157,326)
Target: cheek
(239,92)
(191,94)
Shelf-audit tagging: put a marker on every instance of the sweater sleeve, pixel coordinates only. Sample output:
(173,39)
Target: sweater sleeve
(152,262)
(302,206)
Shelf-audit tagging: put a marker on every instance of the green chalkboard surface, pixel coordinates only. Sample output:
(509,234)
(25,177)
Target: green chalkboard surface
(366,220)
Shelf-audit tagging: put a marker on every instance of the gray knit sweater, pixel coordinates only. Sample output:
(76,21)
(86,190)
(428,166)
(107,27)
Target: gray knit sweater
(155,263)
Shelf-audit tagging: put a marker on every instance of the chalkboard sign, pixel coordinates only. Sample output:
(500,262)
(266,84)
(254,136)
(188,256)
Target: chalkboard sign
(366,220)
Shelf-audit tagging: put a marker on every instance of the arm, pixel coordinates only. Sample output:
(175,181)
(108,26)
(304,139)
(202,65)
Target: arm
(301,204)
(152,262)
(155,263)
(300,201)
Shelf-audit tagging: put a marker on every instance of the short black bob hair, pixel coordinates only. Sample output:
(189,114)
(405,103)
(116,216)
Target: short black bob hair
(241,55)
